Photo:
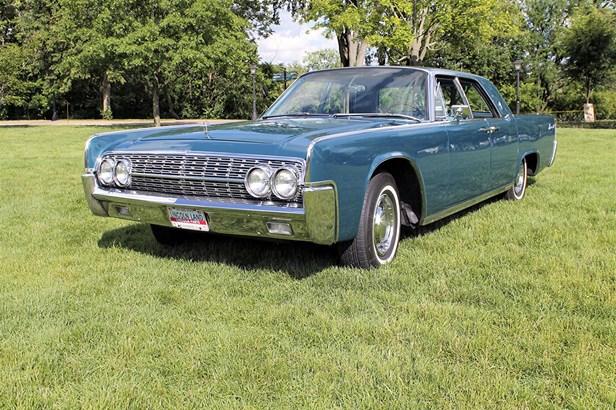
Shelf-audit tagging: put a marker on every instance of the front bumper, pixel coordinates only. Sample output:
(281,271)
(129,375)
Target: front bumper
(316,222)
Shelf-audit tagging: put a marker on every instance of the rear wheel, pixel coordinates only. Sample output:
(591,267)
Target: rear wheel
(518,190)
(378,234)
(168,236)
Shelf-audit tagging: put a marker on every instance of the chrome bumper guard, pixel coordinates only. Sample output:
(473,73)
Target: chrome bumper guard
(316,222)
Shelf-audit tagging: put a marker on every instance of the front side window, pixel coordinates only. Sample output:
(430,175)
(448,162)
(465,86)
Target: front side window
(378,91)
(445,96)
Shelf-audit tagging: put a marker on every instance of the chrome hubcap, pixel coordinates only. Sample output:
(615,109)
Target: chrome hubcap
(519,181)
(384,224)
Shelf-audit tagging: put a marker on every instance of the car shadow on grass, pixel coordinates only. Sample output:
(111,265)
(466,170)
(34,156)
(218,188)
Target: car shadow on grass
(297,259)
(410,233)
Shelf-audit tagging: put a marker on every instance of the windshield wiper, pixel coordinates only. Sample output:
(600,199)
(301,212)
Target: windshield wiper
(295,114)
(377,115)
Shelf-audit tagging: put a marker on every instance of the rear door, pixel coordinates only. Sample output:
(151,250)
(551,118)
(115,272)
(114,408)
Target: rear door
(469,144)
(501,132)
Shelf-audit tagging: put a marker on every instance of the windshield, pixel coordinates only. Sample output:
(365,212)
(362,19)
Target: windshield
(376,91)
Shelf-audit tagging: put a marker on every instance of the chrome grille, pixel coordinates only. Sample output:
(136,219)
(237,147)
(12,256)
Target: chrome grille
(202,175)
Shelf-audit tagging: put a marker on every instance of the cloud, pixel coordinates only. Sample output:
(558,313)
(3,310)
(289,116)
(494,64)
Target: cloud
(291,41)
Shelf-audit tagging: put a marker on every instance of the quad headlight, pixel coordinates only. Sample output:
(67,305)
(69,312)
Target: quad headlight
(258,181)
(285,183)
(261,181)
(121,174)
(105,171)
(112,172)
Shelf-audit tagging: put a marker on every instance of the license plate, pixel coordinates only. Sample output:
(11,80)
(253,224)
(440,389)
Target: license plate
(188,219)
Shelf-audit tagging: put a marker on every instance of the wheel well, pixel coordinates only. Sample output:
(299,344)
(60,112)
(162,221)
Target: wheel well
(532,161)
(407,181)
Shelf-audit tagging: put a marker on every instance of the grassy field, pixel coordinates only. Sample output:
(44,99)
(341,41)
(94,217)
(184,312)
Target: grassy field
(511,305)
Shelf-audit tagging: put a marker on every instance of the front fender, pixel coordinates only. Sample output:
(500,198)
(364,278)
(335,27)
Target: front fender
(350,166)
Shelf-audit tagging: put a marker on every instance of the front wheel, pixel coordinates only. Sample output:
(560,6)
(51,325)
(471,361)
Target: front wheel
(378,234)
(518,190)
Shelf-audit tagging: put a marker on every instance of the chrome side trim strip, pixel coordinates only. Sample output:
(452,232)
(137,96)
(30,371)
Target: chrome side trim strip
(463,205)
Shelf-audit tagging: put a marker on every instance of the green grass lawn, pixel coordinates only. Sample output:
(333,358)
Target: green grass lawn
(511,305)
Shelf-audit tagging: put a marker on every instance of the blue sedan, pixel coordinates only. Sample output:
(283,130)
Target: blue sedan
(343,157)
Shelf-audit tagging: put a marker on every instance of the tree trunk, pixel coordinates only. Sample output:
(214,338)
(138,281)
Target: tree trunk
(352,49)
(54,109)
(381,54)
(106,95)
(423,32)
(170,106)
(156,102)
(343,49)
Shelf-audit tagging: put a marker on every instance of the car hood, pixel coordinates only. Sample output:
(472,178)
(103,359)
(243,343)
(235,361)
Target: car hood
(275,137)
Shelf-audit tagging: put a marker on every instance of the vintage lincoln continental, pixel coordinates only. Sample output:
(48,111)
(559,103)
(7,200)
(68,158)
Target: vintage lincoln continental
(343,157)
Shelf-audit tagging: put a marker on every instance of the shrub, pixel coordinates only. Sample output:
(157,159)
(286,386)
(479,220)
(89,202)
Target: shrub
(107,114)
(605,104)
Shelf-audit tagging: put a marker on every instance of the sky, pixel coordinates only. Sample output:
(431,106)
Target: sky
(291,41)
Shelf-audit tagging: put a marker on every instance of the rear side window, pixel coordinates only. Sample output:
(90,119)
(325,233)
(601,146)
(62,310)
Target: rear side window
(480,105)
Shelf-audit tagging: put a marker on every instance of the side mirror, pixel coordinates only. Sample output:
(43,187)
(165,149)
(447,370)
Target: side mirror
(461,112)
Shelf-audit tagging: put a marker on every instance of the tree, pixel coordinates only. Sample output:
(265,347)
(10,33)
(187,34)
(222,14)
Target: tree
(321,59)
(96,31)
(590,44)
(349,20)
(197,50)
(43,42)
(261,14)
(8,12)
(406,30)
(14,88)
(543,20)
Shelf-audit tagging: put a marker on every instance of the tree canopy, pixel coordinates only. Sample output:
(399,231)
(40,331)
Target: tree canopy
(188,59)
(590,47)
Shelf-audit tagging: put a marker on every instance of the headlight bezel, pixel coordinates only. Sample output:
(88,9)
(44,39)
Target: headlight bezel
(274,186)
(99,171)
(268,180)
(129,169)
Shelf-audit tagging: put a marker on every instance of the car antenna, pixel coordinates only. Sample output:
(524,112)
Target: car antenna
(205,129)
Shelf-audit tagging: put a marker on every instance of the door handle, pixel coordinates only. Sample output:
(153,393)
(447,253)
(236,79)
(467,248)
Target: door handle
(489,130)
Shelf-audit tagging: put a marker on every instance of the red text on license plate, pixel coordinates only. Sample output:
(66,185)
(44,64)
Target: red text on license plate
(188,219)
